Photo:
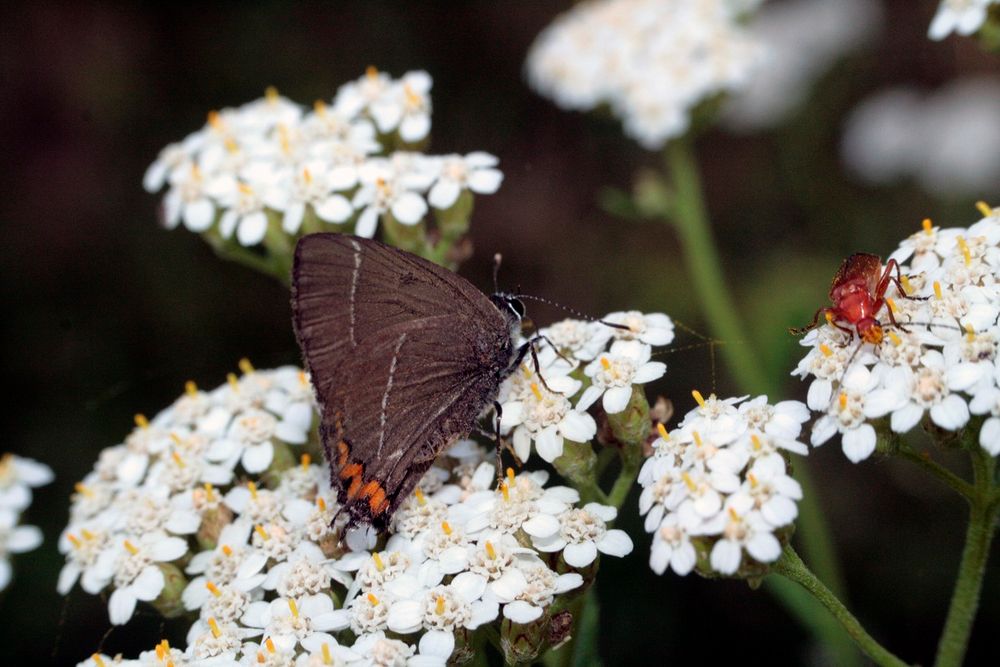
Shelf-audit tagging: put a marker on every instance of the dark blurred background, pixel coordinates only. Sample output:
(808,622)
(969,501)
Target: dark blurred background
(106,314)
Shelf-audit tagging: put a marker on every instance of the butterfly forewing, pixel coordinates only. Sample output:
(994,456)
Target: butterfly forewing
(404,356)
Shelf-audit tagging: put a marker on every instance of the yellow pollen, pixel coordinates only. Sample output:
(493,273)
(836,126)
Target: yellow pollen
(214,627)
(937,290)
(698,398)
(379,565)
(928,226)
(98,660)
(83,490)
(373,599)
(195,172)
(536,391)
(320,503)
(307,175)
(421,499)
(825,349)
(170,663)
(226,549)
(892,305)
(269,643)
(907,287)
(303,378)
(215,120)
(190,388)
(213,589)
(177,459)
(662,430)
(446,528)
(141,421)
(964,247)
(605,364)
(233,382)
(755,439)
(209,491)
(733,515)
(286,145)
(490,551)
(439,608)
(510,475)
(253,490)
(829,317)
(327,659)
(412,97)
(87,535)
(689,482)
(984,208)
(245,366)
(505,491)
(131,548)
(371,72)
(843,401)
(753,479)
(161,652)
(319,106)
(697,437)
(259,528)
(73,539)
(232,146)
(306,460)
(271,93)
(261,658)
(970,332)
(294,608)
(896,340)
(176,439)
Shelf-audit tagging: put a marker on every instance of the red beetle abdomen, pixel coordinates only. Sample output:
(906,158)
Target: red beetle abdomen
(855,303)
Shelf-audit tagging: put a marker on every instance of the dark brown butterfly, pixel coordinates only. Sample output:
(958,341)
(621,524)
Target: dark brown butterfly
(404,355)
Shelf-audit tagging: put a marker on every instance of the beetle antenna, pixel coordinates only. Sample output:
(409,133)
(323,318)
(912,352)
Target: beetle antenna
(572,311)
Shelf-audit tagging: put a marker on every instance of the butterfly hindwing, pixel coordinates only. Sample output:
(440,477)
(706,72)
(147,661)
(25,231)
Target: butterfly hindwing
(404,356)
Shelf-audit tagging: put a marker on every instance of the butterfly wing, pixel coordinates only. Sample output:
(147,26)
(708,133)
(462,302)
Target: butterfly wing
(404,356)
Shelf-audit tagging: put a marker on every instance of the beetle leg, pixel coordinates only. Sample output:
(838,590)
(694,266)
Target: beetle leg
(796,331)
(892,318)
(887,277)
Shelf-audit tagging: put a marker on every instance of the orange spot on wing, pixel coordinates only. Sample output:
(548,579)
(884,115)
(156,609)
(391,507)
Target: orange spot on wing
(381,507)
(355,486)
(370,489)
(352,470)
(343,451)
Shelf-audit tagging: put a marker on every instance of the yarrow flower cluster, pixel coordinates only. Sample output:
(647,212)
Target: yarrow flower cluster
(939,366)
(581,362)
(18,475)
(217,507)
(962,16)
(271,167)
(890,135)
(716,493)
(651,61)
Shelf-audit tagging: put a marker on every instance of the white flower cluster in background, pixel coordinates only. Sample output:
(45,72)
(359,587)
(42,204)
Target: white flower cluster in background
(962,16)
(939,366)
(804,39)
(650,61)
(18,475)
(272,163)
(716,490)
(211,509)
(541,409)
(948,141)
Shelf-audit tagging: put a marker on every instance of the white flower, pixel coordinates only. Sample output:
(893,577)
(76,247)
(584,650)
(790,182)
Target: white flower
(656,329)
(742,529)
(381,192)
(583,532)
(288,621)
(651,61)
(962,16)
(547,418)
(848,411)
(613,374)
(14,539)
(136,576)
(475,172)
(672,546)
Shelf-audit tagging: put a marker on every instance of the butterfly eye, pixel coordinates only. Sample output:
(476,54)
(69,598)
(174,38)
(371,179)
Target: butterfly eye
(516,307)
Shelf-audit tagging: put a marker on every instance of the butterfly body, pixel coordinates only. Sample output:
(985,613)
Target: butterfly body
(404,356)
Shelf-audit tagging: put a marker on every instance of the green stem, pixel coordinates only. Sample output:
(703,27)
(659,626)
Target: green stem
(958,484)
(979,534)
(792,567)
(690,218)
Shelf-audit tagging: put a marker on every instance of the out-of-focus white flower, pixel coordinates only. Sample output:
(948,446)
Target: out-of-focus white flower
(948,140)
(651,61)
(962,16)
(804,38)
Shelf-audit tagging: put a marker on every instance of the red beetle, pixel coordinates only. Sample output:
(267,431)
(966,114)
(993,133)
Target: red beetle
(858,294)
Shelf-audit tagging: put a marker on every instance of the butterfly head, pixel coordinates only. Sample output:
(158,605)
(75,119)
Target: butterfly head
(510,306)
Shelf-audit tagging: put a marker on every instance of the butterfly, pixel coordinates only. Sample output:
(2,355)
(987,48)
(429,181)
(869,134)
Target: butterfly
(404,356)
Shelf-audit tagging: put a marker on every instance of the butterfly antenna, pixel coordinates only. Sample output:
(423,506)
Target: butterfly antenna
(497,258)
(572,311)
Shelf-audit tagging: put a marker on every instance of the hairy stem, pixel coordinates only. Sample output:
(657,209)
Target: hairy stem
(968,586)
(690,218)
(792,567)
